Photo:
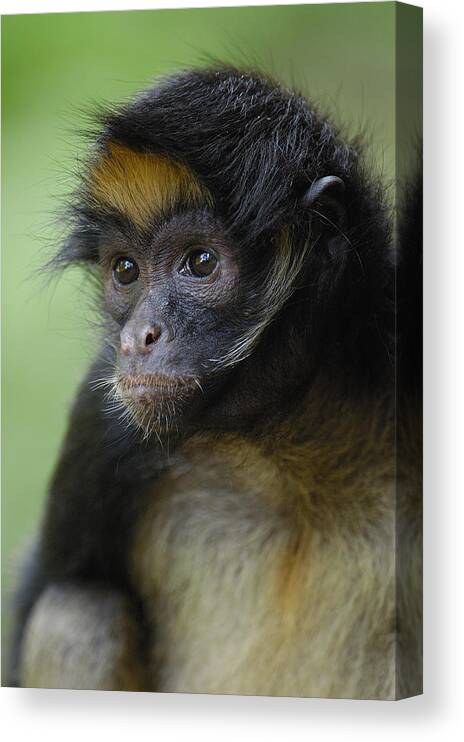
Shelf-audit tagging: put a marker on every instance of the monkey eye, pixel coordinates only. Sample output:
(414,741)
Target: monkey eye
(125,270)
(200,263)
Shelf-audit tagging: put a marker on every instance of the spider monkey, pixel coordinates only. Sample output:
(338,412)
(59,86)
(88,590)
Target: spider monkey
(229,500)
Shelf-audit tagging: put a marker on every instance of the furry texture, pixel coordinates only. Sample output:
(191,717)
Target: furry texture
(253,529)
(140,186)
(109,646)
(256,148)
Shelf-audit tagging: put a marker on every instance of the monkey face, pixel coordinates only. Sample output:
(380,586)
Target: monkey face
(171,294)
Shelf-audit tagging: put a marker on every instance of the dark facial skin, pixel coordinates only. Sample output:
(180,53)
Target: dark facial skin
(171,295)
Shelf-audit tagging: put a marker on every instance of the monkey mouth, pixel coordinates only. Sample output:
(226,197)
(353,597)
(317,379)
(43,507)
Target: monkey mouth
(151,387)
(153,402)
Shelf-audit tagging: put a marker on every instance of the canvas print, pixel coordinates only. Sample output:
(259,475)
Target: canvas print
(212,367)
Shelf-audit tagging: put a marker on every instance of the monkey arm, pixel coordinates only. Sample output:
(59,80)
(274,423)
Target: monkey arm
(62,618)
(96,491)
(82,636)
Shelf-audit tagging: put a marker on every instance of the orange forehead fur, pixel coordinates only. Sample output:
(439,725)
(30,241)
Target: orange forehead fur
(140,185)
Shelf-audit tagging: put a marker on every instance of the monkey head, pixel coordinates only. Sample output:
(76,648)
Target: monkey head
(171,281)
(219,234)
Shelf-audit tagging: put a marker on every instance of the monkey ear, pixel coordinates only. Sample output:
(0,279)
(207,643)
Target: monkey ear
(325,200)
(325,197)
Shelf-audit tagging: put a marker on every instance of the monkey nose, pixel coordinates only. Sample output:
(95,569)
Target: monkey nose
(139,340)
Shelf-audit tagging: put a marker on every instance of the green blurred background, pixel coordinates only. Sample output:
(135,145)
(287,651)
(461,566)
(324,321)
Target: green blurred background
(55,66)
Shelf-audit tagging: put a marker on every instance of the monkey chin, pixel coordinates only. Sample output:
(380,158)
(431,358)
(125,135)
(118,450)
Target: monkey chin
(154,403)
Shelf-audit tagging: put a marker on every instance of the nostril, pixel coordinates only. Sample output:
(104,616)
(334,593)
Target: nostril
(152,336)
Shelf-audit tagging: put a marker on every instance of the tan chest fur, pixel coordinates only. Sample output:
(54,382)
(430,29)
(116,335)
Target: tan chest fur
(250,592)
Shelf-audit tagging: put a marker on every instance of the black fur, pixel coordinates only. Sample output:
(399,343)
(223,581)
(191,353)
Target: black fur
(258,149)
(409,285)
